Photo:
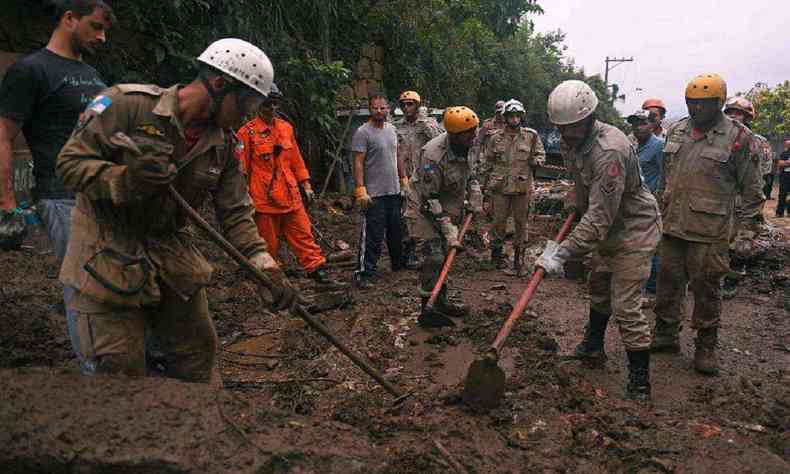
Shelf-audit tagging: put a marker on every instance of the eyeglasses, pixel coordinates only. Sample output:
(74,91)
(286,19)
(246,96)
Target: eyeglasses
(408,103)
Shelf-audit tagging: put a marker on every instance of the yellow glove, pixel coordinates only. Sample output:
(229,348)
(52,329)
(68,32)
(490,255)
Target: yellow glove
(363,200)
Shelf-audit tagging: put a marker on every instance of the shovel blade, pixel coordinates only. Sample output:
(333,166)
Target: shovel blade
(485,384)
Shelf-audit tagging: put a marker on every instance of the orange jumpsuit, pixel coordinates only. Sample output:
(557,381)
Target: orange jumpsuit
(274,166)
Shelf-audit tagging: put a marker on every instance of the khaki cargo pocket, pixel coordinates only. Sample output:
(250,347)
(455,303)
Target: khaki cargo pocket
(120,279)
(709,216)
(713,162)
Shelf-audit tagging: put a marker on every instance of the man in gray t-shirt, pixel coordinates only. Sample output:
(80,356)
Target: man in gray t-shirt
(379,174)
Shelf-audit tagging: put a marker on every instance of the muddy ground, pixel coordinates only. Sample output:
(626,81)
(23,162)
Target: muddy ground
(292,403)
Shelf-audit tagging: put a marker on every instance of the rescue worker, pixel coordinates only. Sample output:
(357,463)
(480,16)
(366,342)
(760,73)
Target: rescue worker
(708,161)
(132,258)
(742,109)
(270,158)
(657,113)
(490,125)
(414,131)
(510,157)
(620,222)
(441,190)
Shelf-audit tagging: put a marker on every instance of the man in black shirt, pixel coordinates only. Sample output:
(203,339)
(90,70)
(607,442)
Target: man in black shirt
(43,95)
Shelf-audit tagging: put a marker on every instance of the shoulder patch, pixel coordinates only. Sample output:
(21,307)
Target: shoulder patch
(99,104)
(613,169)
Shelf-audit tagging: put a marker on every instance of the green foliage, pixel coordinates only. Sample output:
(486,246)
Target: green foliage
(454,52)
(773,112)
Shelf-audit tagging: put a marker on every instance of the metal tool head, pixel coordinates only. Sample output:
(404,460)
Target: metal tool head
(485,383)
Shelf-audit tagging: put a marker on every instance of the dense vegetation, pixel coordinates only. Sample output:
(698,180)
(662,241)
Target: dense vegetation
(469,52)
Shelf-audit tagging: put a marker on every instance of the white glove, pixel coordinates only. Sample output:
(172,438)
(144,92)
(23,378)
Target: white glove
(283,293)
(450,232)
(551,260)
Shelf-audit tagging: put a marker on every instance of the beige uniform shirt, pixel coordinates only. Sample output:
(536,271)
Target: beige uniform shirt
(619,213)
(509,159)
(412,136)
(122,242)
(703,175)
(441,177)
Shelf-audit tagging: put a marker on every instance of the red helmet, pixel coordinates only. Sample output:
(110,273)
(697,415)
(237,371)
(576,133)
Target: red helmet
(658,103)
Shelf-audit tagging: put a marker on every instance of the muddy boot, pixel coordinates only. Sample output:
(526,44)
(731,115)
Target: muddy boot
(705,360)
(432,318)
(665,337)
(518,256)
(449,308)
(410,260)
(638,387)
(321,276)
(498,256)
(591,349)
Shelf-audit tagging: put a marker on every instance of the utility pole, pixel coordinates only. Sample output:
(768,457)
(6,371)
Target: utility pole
(615,62)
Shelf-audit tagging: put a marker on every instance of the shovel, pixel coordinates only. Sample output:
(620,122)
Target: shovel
(123,140)
(300,310)
(485,381)
(448,262)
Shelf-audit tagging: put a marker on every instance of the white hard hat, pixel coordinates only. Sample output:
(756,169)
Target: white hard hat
(242,61)
(514,106)
(571,102)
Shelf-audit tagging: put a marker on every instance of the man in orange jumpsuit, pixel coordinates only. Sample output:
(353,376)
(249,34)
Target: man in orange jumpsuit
(270,157)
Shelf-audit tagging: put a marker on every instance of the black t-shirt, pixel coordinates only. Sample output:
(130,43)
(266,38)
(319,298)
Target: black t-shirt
(45,94)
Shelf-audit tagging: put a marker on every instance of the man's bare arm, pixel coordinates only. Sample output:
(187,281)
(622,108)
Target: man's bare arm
(8,132)
(359,169)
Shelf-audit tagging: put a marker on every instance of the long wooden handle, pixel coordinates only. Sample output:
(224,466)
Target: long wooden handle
(448,262)
(526,295)
(261,277)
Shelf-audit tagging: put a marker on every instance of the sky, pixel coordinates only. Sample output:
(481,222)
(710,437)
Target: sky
(672,41)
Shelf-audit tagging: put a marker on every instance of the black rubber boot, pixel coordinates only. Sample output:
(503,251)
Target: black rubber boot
(498,256)
(591,348)
(432,318)
(449,308)
(638,387)
(321,276)
(705,360)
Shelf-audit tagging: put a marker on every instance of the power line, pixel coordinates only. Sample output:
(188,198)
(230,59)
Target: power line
(615,62)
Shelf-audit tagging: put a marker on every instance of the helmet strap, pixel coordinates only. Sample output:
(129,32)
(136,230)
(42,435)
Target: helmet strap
(216,96)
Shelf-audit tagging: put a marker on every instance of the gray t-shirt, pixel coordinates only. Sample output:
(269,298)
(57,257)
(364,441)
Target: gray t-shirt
(380,146)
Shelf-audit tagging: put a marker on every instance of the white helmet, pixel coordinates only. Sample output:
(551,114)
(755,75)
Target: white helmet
(242,61)
(514,106)
(571,102)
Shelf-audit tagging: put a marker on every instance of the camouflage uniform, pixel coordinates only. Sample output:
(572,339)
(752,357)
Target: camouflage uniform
(620,222)
(438,189)
(412,136)
(132,258)
(702,177)
(508,163)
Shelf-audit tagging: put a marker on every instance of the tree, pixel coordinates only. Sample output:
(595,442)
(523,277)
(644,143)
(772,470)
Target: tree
(773,111)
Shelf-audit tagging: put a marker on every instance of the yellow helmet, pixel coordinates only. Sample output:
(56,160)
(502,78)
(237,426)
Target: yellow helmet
(409,95)
(707,86)
(460,119)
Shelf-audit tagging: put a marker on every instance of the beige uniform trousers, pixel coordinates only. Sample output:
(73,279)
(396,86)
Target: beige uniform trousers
(112,339)
(616,285)
(700,266)
(506,205)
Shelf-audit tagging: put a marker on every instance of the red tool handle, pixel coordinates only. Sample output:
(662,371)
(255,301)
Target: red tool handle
(448,262)
(526,296)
